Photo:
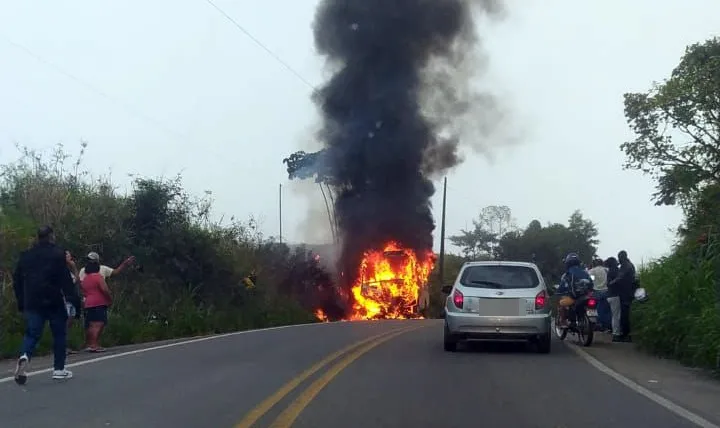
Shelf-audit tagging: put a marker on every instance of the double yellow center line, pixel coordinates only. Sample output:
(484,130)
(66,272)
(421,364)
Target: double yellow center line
(292,412)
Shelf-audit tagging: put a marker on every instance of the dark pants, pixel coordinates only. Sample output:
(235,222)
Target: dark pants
(34,326)
(625,318)
(603,308)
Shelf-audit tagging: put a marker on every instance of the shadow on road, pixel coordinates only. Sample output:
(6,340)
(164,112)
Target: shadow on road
(496,347)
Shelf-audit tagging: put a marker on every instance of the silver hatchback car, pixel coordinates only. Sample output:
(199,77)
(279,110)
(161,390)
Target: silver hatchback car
(498,300)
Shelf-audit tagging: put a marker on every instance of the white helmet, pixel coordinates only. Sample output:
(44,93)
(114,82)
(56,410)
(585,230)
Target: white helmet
(641,295)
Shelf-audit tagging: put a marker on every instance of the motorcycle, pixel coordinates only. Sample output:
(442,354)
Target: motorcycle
(581,317)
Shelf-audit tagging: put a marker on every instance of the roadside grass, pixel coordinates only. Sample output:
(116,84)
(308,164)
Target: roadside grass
(681,319)
(128,326)
(191,274)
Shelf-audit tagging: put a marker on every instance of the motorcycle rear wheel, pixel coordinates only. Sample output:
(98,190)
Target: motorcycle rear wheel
(560,332)
(585,330)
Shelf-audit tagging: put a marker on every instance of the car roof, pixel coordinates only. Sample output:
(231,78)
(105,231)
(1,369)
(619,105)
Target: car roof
(500,263)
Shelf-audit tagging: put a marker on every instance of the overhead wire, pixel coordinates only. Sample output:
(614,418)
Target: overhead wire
(92,88)
(133,110)
(325,193)
(269,51)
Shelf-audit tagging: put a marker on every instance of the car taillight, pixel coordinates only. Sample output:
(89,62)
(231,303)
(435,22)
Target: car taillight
(458,299)
(591,303)
(540,300)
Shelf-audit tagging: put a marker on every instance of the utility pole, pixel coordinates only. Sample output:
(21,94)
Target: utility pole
(280,210)
(442,235)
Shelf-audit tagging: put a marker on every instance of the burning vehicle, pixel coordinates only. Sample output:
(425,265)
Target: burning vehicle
(389,283)
(391,117)
(384,287)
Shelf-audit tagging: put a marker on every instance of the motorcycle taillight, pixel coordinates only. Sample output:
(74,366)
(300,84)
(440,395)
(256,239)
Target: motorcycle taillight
(591,303)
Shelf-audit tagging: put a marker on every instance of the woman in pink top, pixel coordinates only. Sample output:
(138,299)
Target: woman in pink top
(97,301)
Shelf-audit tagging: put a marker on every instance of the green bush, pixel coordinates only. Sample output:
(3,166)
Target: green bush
(190,272)
(681,320)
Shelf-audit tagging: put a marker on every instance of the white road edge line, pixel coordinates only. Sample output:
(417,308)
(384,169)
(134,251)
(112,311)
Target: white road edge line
(165,346)
(664,402)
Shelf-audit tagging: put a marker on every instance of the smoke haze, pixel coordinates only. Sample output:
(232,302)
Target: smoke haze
(400,102)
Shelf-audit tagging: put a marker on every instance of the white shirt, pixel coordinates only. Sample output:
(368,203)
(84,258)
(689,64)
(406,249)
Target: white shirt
(105,271)
(599,275)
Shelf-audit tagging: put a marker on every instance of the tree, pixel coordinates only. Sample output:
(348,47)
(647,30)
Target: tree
(677,127)
(473,243)
(497,220)
(190,270)
(547,246)
(493,222)
(584,235)
(302,165)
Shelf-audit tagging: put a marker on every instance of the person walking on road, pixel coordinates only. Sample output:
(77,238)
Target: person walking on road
(42,283)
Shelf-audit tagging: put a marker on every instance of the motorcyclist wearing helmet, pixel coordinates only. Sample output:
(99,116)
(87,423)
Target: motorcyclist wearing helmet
(574,274)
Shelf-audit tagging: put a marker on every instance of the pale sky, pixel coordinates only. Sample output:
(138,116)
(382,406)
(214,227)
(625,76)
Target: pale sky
(164,87)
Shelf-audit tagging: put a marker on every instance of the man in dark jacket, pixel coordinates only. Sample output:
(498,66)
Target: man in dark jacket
(625,285)
(42,284)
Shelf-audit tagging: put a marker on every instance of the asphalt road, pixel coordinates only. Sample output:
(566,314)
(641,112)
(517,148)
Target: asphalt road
(277,378)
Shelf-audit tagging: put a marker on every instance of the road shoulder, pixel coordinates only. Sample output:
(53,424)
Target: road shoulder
(7,366)
(690,388)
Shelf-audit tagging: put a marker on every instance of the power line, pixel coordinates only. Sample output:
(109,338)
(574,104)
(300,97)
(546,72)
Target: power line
(128,107)
(262,46)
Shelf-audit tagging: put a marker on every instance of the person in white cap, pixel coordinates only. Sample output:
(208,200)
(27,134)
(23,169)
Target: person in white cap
(106,271)
(94,320)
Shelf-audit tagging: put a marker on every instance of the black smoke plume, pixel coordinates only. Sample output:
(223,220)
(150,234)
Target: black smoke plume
(388,112)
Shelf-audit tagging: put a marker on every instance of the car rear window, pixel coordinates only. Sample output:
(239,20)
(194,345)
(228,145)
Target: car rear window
(499,277)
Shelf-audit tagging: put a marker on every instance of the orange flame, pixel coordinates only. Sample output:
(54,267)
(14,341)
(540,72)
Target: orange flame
(389,283)
(320,314)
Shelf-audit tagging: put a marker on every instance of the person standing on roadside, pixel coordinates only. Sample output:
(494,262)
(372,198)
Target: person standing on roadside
(42,283)
(613,297)
(97,301)
(598,273)
(72,312)
(626,281)
(97,297)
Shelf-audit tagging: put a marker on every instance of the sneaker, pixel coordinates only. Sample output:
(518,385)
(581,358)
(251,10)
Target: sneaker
(61,374)
(20,370)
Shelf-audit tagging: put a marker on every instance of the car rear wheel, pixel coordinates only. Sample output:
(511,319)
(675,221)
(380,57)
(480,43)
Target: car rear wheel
(449,341)
(544,343)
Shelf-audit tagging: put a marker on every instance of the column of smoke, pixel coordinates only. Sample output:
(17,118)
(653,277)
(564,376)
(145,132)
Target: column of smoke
(394,112)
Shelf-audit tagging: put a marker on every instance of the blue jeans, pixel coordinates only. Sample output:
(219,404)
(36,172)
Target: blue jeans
(34,326)
(604,313)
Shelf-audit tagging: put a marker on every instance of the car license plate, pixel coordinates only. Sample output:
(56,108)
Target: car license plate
(592,312)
